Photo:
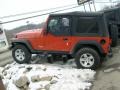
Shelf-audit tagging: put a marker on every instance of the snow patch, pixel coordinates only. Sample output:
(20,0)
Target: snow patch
(47,77)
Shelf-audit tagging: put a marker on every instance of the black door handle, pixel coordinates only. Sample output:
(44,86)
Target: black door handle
(65,39)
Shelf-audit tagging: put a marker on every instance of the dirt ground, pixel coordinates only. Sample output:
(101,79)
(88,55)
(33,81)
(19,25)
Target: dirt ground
(108,76)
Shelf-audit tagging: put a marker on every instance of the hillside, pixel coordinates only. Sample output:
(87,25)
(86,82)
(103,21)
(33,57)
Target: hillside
(11,33)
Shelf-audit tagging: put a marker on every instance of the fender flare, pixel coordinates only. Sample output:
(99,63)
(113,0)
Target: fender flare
(87,43)
(24,42)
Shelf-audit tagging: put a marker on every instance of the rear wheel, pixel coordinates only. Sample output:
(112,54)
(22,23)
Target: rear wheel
(21,54)
(87,58)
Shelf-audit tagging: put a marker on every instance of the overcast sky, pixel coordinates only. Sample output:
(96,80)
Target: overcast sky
(11,7)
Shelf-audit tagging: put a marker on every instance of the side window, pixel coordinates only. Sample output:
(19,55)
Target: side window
(59,26)
(54,25)
(65,26)
(87,25)
(65,22)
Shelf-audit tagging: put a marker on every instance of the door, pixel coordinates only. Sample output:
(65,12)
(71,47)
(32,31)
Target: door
(59,34)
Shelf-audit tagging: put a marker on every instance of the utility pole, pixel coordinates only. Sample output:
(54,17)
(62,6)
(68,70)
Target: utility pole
(84,7)
(82,2)
(89,6)
(110,2)
(94,5)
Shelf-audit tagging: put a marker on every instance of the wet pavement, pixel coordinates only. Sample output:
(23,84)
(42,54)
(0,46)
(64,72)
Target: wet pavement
(108,76)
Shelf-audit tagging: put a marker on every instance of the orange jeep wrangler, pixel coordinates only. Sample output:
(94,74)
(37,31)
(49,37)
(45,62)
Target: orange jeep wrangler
(79,35)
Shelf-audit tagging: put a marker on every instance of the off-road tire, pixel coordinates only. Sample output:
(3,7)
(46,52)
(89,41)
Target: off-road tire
(91,51)
(25,50)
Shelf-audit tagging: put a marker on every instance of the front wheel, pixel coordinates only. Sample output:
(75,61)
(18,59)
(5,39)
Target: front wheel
(21,54)
(87,58)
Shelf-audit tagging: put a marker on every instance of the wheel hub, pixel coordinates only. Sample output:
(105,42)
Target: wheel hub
(87,60)
(19,54)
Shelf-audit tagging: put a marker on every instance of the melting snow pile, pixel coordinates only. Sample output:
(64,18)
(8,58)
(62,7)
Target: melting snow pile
(45,77)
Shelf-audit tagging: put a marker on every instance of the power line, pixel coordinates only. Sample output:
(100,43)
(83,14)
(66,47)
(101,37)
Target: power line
(108,2)
(20,14)
(39,15)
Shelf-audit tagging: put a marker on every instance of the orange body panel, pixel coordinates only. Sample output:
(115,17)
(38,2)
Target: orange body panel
(41,41)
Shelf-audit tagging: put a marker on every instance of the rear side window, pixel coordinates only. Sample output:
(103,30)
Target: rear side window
(87,25)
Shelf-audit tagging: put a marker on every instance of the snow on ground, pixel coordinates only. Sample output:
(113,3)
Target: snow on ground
(46,77)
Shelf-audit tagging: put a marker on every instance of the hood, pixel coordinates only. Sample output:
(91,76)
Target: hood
(29,33)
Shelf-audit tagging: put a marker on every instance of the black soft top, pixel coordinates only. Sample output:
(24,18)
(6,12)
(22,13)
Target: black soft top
(87,14)
(111,9)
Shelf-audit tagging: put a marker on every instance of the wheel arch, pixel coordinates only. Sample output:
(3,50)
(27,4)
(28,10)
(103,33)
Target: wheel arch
(92,44)
(22,42)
